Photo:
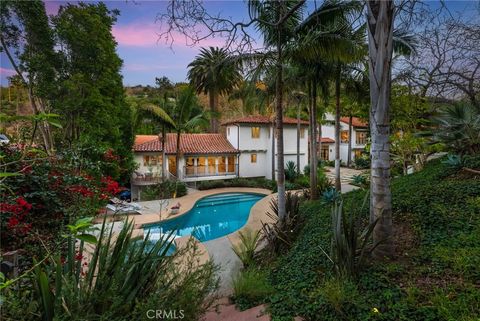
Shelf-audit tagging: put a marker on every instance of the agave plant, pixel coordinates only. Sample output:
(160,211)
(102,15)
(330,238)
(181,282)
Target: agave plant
(290,171)
(245,250)
(331,196)
(349,246)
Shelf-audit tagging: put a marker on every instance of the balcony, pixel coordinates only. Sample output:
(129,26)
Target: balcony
(147,178)
(204,171)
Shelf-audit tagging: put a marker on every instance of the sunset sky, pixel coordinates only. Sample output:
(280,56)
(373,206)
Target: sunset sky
(146,56)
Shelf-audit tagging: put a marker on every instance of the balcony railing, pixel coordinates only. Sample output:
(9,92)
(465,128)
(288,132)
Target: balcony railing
(146,178)
(201,171)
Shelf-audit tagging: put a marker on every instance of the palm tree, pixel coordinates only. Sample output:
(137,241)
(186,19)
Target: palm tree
(187,116)
(213,72)
(276,21)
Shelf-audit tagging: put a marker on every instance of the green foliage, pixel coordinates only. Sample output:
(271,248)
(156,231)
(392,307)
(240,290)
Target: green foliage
(349,246)
(122,279)
(251,288)
(238,182)
(360,180)
(331,196)
(323,183)
(164,190)
(457,128)
(302,181)
(290,171)
(280,234)
(434,279)
(245,250)
(362,162)
(306,170)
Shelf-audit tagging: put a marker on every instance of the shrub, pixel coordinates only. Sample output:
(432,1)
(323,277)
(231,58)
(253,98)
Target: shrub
(360,180)
(302,181)
(251,288)
(122,279)
(245,250)
(323,183)
(306,170)
(290,171)
(362,162)
(331,196)
(238,182)
(281,233)
(164,190)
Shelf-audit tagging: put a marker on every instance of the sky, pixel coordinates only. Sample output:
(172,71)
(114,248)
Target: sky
(145,56)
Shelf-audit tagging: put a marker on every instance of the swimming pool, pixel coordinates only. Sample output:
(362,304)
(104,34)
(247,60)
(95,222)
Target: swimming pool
(211,217)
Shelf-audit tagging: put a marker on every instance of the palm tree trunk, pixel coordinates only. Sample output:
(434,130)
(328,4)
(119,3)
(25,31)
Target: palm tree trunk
(349,157)
(177,155)
(273,150)
(298,138)
(314,169)
(338,183)
(164,161)
(213,98)
(279,125)
(313,138)
(380,16)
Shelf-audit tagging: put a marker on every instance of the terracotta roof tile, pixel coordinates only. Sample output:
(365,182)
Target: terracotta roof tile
(356,122)
(262,120)
(140,139)
(189,144)
(327,140)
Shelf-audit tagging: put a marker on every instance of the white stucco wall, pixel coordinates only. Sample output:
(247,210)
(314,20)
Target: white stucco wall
(249,169)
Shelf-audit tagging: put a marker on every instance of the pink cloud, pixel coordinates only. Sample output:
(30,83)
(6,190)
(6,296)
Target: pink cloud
(7,72)
(148,35)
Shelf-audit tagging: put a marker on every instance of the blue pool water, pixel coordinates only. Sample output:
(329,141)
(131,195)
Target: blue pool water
(211,217)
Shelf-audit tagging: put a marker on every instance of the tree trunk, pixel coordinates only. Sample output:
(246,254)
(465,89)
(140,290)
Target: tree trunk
(213,99)
(314,193)
(164,160)
(338,183)
(349,157)
(298,138)
(273,150)
(313,145)
(380,16)
(279,125)
(177,156)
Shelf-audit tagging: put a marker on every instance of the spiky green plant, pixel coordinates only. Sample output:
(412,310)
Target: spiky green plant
(291,171)
(245,250)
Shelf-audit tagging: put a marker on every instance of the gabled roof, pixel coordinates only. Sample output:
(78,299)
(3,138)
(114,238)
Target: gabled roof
(356,122)
(259,119)
(189,144)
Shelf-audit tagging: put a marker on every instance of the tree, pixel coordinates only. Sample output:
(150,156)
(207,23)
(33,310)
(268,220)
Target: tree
(380,20)
(187,116)
(27,40)
(213,72)
(91,99)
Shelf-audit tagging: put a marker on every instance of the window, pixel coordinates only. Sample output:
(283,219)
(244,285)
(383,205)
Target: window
(150,160)
(302,133)
(222,164)
(344,136)
(361,138)
(253,158)
(255,132)
(324,153)
(228,131)
(231,164)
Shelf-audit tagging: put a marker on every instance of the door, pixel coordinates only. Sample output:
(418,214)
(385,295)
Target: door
(172,165)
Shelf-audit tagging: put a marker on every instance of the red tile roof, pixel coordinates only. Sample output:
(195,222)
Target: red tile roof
(189,144)
(140,139)
(327,140)
(356,122)
(262,120)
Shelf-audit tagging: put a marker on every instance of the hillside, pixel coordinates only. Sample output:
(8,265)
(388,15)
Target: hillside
(434,276)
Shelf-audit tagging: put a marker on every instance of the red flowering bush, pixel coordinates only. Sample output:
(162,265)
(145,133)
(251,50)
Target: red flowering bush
(47,194)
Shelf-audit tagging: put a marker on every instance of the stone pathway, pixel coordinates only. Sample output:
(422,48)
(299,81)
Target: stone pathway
(346,174)
(228,312)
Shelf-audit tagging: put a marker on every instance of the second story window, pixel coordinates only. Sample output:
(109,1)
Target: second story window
(253,158)
(361,138)
(344,136)
(255,132)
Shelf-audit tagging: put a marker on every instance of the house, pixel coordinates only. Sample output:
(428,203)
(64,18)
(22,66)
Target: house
(202,157)
(359,138)
(253,137)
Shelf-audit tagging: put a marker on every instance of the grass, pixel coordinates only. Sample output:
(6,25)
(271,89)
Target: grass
(251,288)
(434,275)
